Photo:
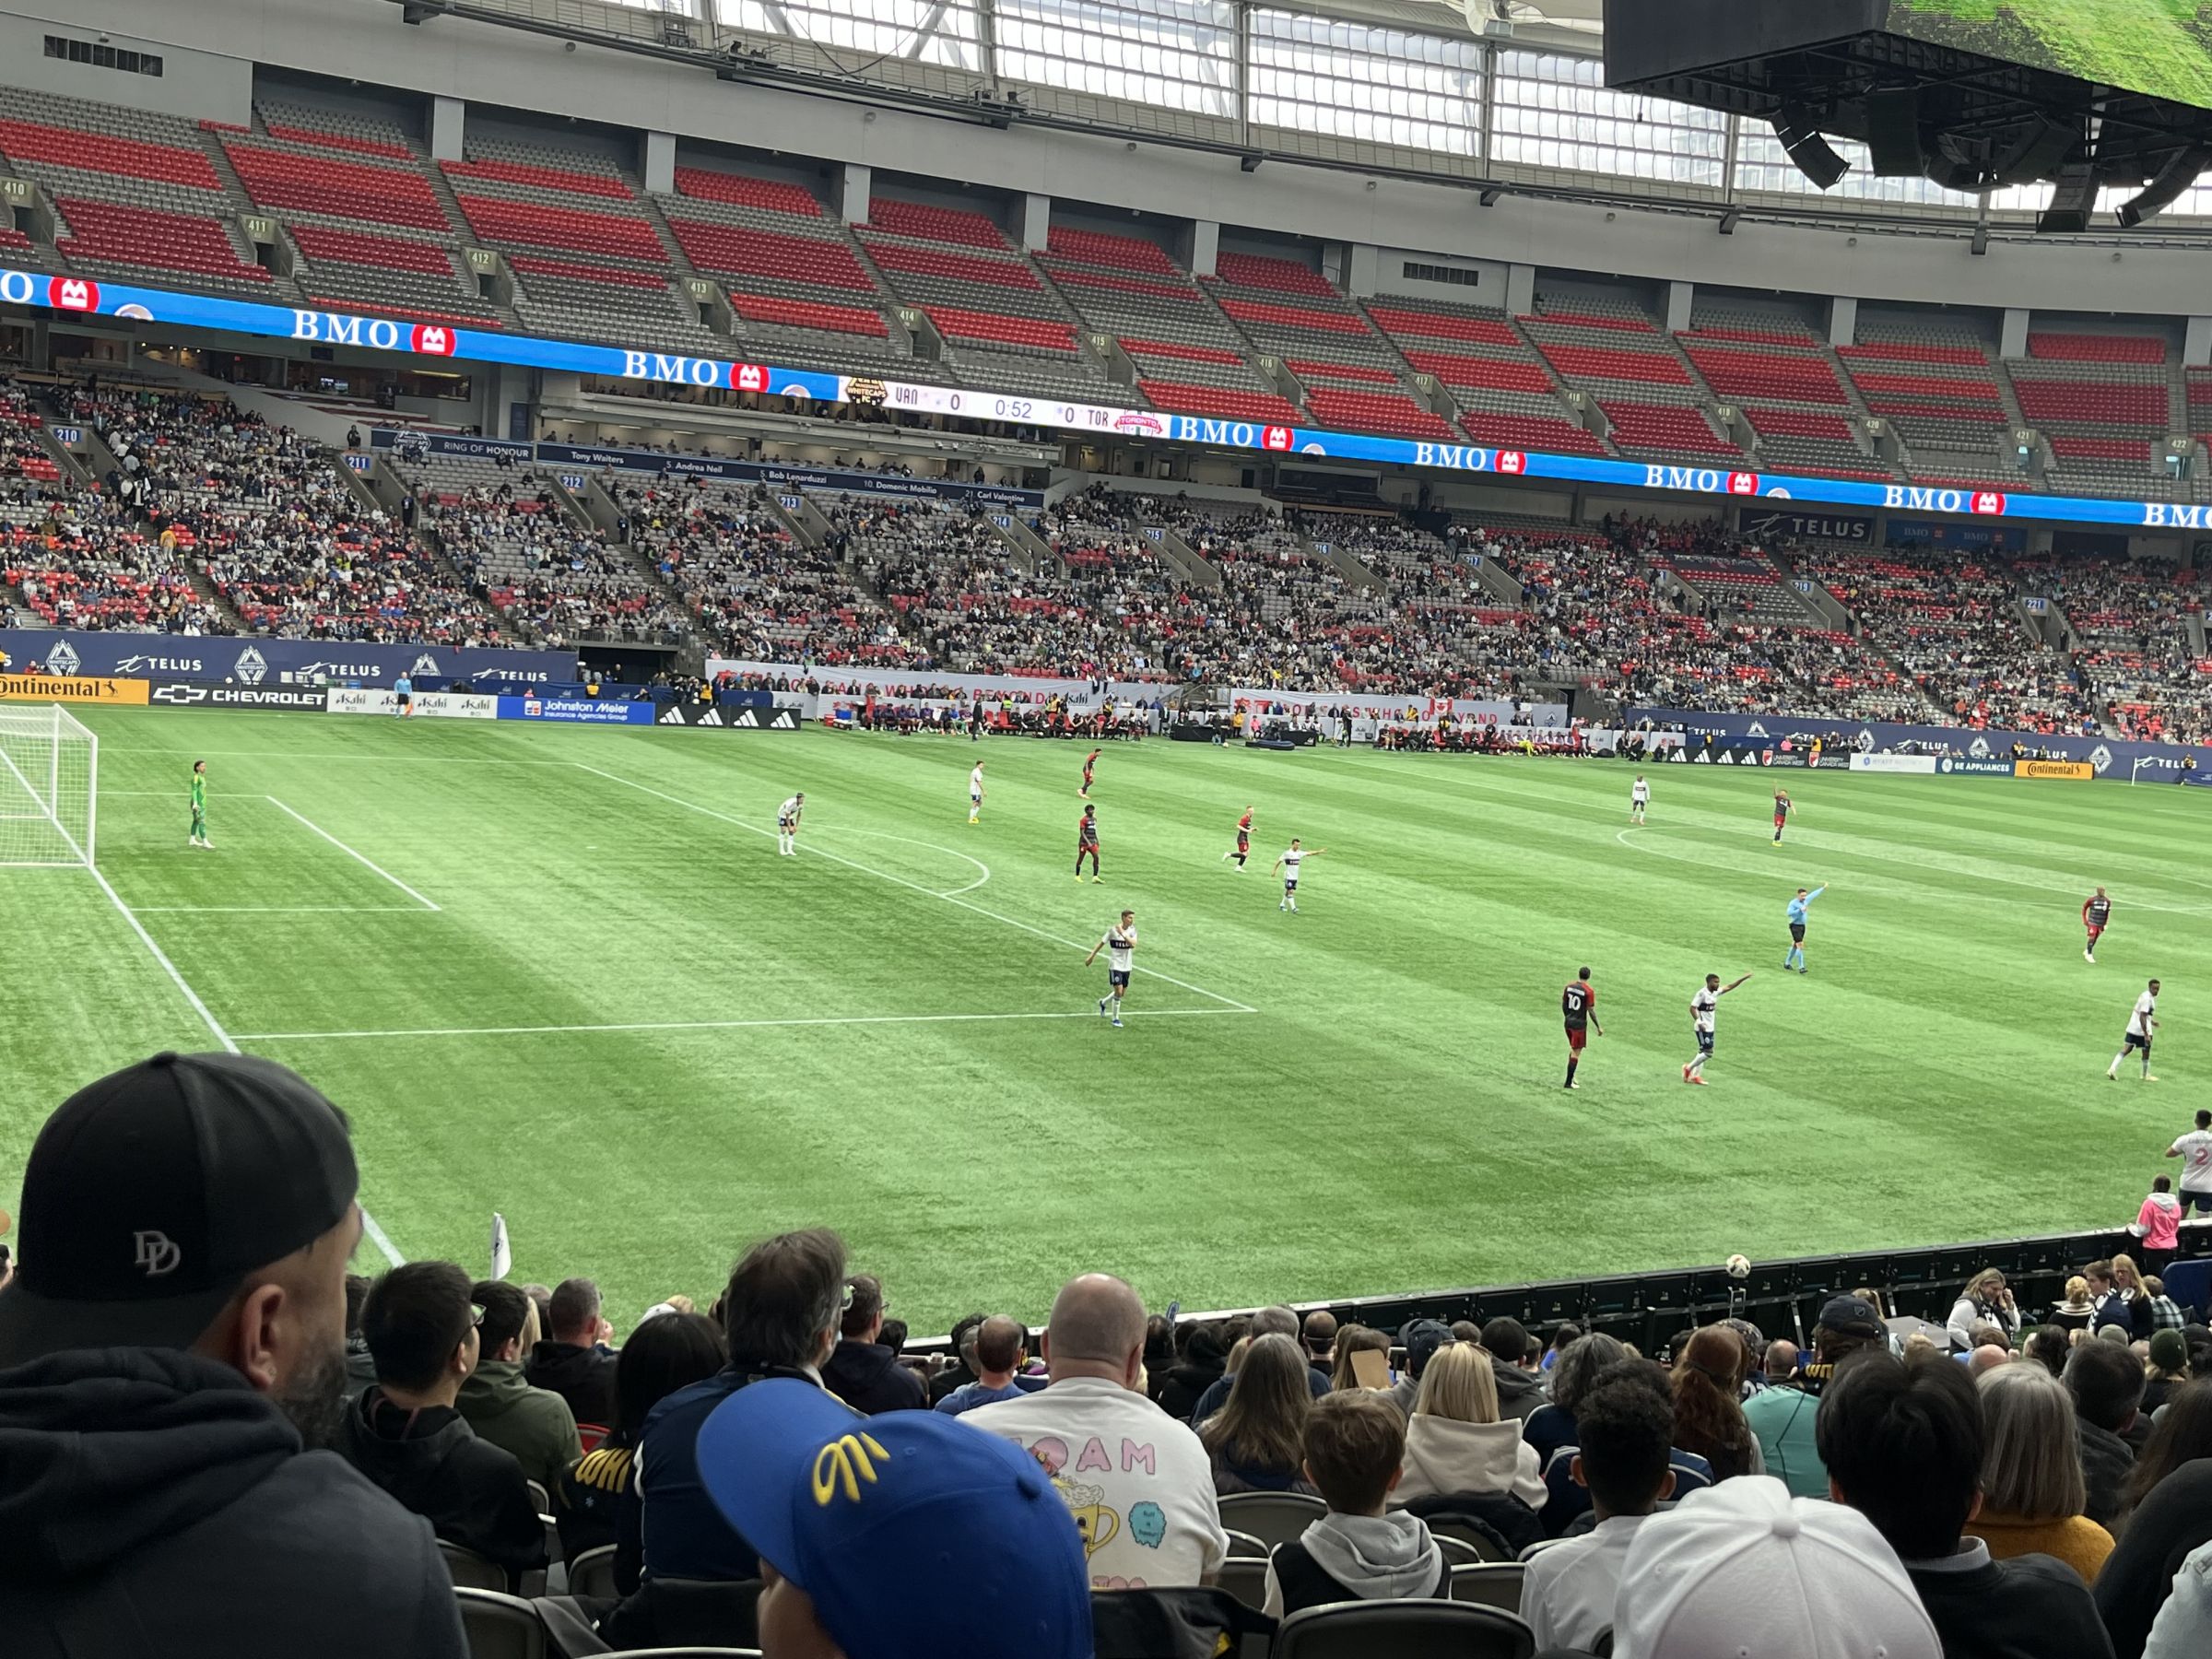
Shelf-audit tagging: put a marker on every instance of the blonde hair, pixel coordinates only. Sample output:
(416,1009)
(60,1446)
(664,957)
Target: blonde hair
(1458,1383)
(2125,1274)
(2032,1454)
(1973,1285)
(2077,1288)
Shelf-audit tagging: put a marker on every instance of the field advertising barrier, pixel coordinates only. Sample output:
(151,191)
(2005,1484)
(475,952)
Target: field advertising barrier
(252,660)
(70,689)
(573,464)
(2128,759)
(444,343)
(1276,704)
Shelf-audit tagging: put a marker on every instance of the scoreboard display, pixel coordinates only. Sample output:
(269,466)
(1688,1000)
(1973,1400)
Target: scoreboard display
(2158,48)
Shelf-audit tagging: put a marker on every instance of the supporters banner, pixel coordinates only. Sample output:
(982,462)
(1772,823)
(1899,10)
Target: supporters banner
(261,661)
(206,694)
(54,687)
(80,295)
(2072,771)
(576,711)
(2121,757)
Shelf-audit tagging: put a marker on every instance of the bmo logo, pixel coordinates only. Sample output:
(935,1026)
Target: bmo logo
(432,340)
(1988,501)
(1276,438)
(749,377)
(1512,462)
(72,293)
(1744,483)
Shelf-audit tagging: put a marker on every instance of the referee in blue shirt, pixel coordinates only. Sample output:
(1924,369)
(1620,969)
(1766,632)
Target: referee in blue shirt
(1798,907)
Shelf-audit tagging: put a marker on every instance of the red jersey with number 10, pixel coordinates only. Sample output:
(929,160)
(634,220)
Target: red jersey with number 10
(1576,1001)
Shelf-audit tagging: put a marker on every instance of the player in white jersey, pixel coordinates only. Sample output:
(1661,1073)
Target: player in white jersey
(787,825)
(1288,863)
(975,793)
(1703,1007)
(1640,796)
(1120,946)
(2141,1025)
(2195,1149)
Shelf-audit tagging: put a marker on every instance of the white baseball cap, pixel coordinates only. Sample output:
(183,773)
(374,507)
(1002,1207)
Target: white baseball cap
(1743,1570)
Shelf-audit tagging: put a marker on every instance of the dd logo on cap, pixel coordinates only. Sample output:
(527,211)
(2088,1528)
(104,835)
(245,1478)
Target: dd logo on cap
(156,1254)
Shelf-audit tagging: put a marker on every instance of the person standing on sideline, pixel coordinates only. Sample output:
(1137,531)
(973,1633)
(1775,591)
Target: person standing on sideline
(1086,843)
(1640,797)
(199,807)
(403,697)
(2095,913)
(2194,1150)
(1703,1007)
(787,825)
(2158,1225)
(1288,863)
(1578,1003)
(2142,1024)
(1120,946)
(975,793)
(1799,906)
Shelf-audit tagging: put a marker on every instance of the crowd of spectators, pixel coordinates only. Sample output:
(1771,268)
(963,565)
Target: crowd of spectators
(2005,1483)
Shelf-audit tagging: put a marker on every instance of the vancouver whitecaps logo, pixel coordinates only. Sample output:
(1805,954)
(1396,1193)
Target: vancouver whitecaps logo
(63,659)
(251,667)
(1978,749)
(2101,757)
(425,664)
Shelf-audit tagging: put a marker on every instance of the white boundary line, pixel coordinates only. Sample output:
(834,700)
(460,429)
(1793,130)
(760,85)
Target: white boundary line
(728,1025)
(376,1234)
(915,886)
(281,910)
(361,857)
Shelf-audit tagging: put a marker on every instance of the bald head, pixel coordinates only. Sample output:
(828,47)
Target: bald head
(1988,1357)
(1782,1359)
(1097,1330)
(998,1345)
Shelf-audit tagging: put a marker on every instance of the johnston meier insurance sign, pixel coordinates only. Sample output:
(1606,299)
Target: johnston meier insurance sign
(89,297)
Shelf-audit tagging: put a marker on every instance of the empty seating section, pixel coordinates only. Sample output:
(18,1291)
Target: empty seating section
(1602,363)
(2100,400)
(328,244)
(579,299)
(802,261)
(533,224)
(1403,322)
(399,276)
(566,181)
(2103,404)
(1226,403)
(928,223)
(284,179)
(1508,428)
(33,143)
(112,233)
(1662,428)
(1738,373)
(742,189)
(1104,248)
(1393,415)
(2054,345)
(1277,275)
(1456,371)
(1936,387)
(1815,439)
(335,129)
(1262,316)
(12,238)
(1219,355)
(1747,588)
(904,259)
(1030,333)
(808,314)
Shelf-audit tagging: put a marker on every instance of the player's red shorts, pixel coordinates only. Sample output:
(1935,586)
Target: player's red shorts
(1576,1037)
(2096,933)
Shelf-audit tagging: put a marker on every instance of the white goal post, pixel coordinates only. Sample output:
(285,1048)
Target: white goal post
(49,787)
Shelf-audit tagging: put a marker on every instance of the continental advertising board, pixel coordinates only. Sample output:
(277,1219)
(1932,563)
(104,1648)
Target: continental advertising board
(70,689)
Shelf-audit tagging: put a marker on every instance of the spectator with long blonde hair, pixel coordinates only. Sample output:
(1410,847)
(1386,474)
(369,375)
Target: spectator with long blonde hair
(1456,1443)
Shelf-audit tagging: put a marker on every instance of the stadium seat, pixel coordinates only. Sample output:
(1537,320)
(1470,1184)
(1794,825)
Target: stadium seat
(1245,1578)
(1491,1584)
(1403,1629)
(592,1572)
(499,1626)
(471,1571)
(1271,1517)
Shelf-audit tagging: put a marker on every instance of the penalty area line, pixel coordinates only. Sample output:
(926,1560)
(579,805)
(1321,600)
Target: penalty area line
(952,897)
(728,1025)
(360,857)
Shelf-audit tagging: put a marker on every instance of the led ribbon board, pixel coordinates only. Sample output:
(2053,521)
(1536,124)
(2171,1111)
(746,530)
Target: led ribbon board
(86,296)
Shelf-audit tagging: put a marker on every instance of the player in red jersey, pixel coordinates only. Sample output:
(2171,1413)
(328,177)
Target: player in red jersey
(1578,1005)
(1243,850)
(1782,809)
(1086,843)
(2095,913)
(1089,761)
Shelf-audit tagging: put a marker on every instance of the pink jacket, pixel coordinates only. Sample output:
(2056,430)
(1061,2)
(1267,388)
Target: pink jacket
(2158,1223)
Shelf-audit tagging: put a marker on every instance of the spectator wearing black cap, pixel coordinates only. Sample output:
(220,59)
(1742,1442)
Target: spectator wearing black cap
(406,1435)
(1267,1322)
(1421,1339)
(534,1423)
(1784,1415)
(172,1344)
(862,1372)
(1515,1353)
(1903,1446)
(573,1359)
(2106,1381)
(780,1315)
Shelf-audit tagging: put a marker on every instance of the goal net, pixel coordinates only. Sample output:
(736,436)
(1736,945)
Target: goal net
(49,775)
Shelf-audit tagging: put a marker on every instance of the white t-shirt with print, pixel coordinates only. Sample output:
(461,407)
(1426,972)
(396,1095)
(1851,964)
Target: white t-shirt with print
(1138,1482)
(2196,1148)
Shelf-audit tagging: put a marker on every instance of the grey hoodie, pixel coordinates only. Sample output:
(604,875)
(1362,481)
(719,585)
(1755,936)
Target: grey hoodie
(1379,1558)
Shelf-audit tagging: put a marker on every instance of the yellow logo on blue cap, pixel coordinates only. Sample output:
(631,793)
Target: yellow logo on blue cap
(848,1460)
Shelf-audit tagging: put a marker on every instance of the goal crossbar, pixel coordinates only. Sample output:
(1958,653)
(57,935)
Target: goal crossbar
(49,787)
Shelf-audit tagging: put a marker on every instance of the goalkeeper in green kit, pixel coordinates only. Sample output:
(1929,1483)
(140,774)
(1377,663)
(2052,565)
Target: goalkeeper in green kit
(199,805)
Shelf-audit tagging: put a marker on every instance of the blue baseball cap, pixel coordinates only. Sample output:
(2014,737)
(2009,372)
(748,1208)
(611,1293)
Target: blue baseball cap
(915,1535)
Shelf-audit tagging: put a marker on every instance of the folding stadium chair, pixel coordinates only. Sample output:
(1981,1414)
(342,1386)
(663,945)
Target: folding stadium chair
(1272,1517)
(592,1572)
(1244,1543)
(1458,1551)
(1403,1629)
(471,1571)
(1246,1579)
(1539,1546)
(1474,1535)
(501,1627)
(1492,1585)
(539,1496)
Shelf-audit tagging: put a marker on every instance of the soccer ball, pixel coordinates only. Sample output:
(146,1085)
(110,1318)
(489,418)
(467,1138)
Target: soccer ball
(1739,1267)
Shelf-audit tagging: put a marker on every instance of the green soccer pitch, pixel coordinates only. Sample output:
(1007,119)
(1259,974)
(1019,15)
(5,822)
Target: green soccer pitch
(562,973)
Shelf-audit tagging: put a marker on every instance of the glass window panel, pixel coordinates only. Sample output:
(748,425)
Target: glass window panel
(1353,80)
(1174,54)
(1550,109)
(900,28)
